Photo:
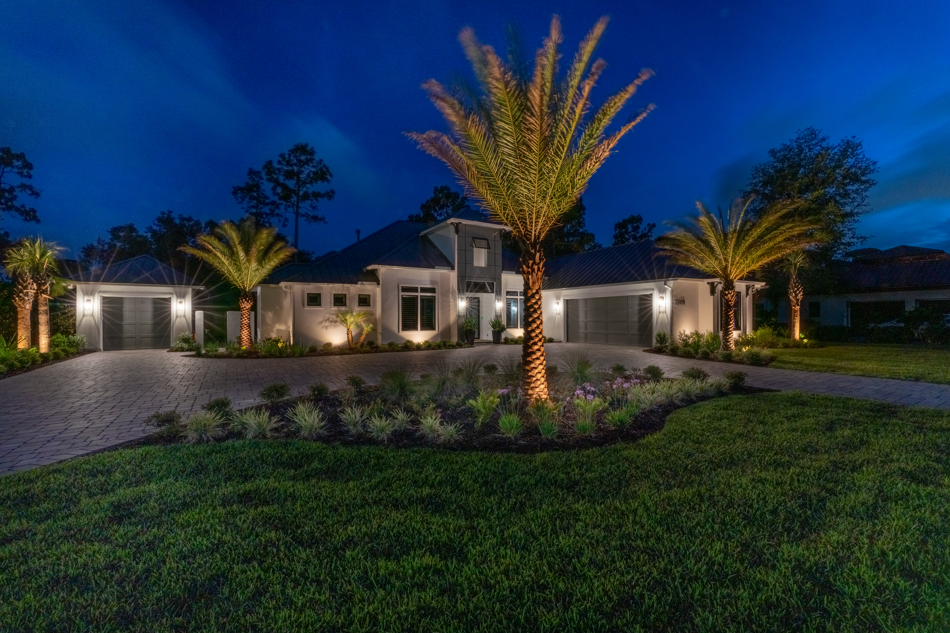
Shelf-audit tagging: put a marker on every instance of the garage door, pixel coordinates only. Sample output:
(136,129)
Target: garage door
(136,323)
(611,320)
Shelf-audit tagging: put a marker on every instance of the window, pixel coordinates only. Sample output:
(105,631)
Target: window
(737,312)
(314,300)
(514,309)
(418,309)
(339,301)
(362,301)
(814,309)
(480,246)
(480,287)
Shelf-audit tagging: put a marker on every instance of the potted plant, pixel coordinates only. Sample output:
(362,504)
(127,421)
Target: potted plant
(468,329)
(497,327)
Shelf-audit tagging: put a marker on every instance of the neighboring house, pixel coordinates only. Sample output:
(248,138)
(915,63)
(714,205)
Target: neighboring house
(879,285)
(137,303)
(420,282)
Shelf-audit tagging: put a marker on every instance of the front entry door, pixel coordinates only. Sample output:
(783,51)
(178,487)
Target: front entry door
(474,311)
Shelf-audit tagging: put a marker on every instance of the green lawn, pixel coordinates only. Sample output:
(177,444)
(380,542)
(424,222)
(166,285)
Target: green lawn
(906,362)
(770,512)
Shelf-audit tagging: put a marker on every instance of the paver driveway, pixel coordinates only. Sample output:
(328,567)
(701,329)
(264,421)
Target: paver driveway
(100,400)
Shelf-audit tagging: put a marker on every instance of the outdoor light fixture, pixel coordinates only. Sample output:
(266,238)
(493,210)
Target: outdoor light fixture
(181,306)
(461,304)
(87,307)
(498,305)
(557,307)
(661,302)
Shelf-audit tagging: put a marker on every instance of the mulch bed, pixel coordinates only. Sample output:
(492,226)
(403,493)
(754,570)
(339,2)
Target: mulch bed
(23,370)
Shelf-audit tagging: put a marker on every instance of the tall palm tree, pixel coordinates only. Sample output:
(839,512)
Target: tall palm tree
(525,149)
(732,248)
(792,264)
(244,254)
(352,320)
(34,263)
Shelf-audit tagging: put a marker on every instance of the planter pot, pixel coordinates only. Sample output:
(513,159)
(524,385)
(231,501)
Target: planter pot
(496,337)
(470,338)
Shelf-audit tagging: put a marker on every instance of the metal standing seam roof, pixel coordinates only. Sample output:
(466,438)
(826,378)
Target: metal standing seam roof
(397,244)
(627,263)
(143,269)
(898,268)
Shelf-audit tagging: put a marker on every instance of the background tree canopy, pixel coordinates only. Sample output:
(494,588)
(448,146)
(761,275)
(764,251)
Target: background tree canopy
(15,170)
(629,230)
(443,203)
(832,180)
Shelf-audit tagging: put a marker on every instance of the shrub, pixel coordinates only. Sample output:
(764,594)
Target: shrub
(652,372)
(510,424)
(468,371)
(618,370)
(705,354)
(379,427)
(736,380)
(409,345)
(586,411)
(274,393)
(550,339)
(184,343)
(167,422)
(510,371)
(687,352)
(484,406)
(725,356)
(491,369)
(221,406)
(392,346)
(719,386)
(661,340)
(255,423)
(319,391)
(327,347)
(356,383)
(696,373)
(395,385)
(308,420)
(77,341)
(58,341)
(352,418)
(202,427)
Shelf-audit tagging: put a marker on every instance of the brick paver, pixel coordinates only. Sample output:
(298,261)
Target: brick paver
(100,400)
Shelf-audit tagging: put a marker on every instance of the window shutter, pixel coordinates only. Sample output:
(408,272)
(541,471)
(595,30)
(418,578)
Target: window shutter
(427,313)
(410,312)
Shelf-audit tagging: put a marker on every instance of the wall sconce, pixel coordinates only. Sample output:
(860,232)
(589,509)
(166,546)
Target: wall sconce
(498,305)
(87,306)
(557,307)
(181,306)
(461,304)
(661,303)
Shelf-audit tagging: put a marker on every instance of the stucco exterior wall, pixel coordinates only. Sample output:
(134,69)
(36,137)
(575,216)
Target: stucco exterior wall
(391,279)
(834,308)
(686,310)
(275,311)
(89,315)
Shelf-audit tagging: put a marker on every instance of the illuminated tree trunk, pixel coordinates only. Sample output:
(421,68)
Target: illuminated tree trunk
(23,299)
(43,282)
(727,310)
(534,366)
(245,303)
(795,295)
(349,337)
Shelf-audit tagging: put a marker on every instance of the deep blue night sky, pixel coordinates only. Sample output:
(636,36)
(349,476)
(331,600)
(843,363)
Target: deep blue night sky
(130,108)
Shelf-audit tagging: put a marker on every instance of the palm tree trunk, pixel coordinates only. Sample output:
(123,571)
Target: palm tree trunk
(23,299)
(795,295)
(245,303)
(533,363)
(42,304)
(349,337)
(727,310)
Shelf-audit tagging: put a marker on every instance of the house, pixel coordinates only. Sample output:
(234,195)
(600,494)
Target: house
(137,303)
(880,285)
(420,282)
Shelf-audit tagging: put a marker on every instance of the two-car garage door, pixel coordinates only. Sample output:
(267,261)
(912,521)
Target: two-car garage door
(626,320)
(136,323)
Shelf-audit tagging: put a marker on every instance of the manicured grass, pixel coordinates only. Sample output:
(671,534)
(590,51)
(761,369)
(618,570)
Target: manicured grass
(906,362)
(768,512)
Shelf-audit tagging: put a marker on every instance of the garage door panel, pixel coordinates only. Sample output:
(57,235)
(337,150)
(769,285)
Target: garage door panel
(620,320)
(136,323)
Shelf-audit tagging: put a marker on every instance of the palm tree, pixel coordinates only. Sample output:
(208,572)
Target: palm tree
(34,263)
(525,150)
(244,254)
(352,320)
(733,248)
(792,263)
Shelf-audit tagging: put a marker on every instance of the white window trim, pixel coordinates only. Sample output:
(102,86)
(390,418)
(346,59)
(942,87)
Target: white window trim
(420,286)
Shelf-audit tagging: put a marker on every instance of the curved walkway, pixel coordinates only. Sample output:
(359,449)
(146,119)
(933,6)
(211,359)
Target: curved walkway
(100,400)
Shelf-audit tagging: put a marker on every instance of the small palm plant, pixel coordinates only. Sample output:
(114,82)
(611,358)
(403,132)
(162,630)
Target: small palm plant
(793,263)
(525,149)
(352,320)
(731,248)
(244,254)
(33,261)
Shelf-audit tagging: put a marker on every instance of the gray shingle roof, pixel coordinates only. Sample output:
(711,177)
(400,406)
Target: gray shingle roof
(627,263)
(898,268)
(143,269)
(398,244)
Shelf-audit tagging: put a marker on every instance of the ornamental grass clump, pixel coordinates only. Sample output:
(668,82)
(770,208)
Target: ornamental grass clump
(484,406)
(620,418)
(449,434)
(395,386)
(668,392)
(379,427)
(510,424)
(585,412)
(691,389)
(580,368)
(255,423)
(309,421)
(202,427)
(546,415)
(352,418)
(469,370)
(430,424)
(695,373)
(401,419)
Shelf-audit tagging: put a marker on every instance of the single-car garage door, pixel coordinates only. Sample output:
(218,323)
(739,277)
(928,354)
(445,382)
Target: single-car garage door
(611,320)
(136,323)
